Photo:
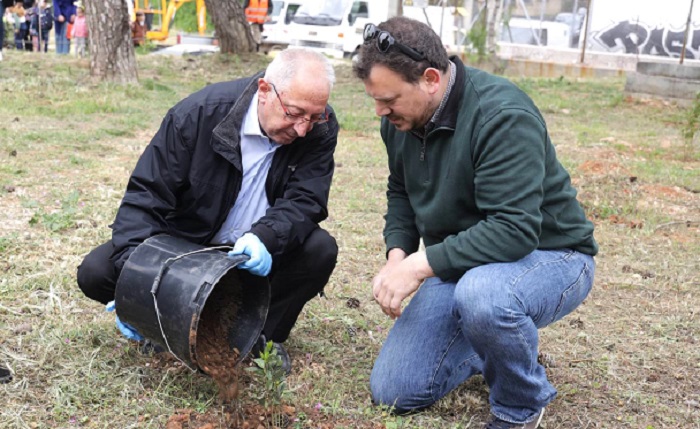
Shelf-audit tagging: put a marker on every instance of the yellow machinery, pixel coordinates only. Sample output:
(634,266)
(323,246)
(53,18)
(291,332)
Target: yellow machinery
(166,13)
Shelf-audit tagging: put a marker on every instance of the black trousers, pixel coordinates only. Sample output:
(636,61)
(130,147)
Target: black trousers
(295,279)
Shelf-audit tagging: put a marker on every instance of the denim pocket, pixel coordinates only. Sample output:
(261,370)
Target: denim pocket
(574,295)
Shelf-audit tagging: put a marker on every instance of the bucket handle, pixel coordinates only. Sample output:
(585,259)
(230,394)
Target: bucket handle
(156,286)
(169,261)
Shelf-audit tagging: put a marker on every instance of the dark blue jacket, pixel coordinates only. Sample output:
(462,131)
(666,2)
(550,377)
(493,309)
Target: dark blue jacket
(189,176)
(63,7)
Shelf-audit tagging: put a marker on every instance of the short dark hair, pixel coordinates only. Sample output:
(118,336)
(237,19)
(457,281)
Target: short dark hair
(411,33)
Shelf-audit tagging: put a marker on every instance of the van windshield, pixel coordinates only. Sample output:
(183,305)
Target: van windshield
(322,12)
(276,10)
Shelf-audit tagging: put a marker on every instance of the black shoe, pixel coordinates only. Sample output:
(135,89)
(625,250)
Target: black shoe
(5,375)
(149,347)
(284,357)
(259,346)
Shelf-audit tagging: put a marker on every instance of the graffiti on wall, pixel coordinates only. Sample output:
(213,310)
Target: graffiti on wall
(637,38)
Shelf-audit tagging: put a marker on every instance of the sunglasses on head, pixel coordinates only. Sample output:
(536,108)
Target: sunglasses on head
(385,40)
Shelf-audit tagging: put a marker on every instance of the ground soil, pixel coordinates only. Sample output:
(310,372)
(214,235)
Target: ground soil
(216,358)
(251,416)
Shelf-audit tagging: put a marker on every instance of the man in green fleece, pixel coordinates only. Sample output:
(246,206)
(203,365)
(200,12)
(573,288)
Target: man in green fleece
(508,249)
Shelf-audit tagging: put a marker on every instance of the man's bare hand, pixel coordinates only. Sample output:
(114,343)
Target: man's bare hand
(398,279)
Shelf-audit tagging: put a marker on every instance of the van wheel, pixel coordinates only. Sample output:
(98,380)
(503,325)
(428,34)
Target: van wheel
(272,49)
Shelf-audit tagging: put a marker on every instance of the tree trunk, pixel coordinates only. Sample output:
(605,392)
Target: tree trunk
(493,19)
(232,29)
(111,49)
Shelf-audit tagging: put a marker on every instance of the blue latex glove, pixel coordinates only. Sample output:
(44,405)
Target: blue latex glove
(260,262)
(127,330)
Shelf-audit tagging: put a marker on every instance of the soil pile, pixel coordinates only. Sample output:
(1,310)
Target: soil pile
(251,416)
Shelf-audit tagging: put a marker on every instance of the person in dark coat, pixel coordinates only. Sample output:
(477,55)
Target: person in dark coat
(247,163)
(64,13)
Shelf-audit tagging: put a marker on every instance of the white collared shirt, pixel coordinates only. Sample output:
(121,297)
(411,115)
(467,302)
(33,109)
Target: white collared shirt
(257,152)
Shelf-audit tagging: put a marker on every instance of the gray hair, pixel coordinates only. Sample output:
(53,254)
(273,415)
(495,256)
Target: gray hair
(288,62)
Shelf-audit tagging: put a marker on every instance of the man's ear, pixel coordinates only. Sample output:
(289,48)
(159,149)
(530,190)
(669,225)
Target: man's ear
(432,78)
(264,88)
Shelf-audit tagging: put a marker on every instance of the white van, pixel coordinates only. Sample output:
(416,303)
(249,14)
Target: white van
(335,27)
(275,33)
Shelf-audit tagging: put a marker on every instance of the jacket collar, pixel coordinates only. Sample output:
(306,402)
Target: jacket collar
(226,139)
(448,116)
(445,117)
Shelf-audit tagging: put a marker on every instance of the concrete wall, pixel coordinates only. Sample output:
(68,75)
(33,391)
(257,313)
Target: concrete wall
(664,80)
(594,59)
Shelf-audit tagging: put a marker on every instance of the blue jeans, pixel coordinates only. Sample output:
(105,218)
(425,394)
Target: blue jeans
(486,323)
(62,42)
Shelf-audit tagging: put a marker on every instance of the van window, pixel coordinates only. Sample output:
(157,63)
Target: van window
(359,10)
(325,12)
(276,10)
(291,11)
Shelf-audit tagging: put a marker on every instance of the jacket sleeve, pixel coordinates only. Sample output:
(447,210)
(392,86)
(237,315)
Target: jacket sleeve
(57,11)
(152,190)
(509,165)
(291,218)
(400,229)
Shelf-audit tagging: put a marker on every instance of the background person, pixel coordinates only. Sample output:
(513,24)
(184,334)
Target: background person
(508,249)
(21,27)
(248,162)
(257,12)
(139,29)
(40,25)
(64,13)
(80,32)
(3,4)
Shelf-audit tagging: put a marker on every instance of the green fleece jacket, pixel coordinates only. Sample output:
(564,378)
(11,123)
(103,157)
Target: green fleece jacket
(484,185)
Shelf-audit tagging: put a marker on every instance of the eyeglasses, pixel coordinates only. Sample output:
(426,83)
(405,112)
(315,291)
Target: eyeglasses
(293,118)
(385,40)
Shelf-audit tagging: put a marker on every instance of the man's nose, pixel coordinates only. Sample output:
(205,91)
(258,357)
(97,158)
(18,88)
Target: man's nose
(380,109)
(302,127)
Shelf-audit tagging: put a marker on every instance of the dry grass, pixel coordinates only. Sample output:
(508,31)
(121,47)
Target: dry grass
(628,358)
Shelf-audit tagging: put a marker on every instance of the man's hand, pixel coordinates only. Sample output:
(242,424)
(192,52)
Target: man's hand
(127,330)
(61,18)
(260,262)
(398,279)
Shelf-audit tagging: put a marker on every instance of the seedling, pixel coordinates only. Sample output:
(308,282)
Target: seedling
(272,387)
